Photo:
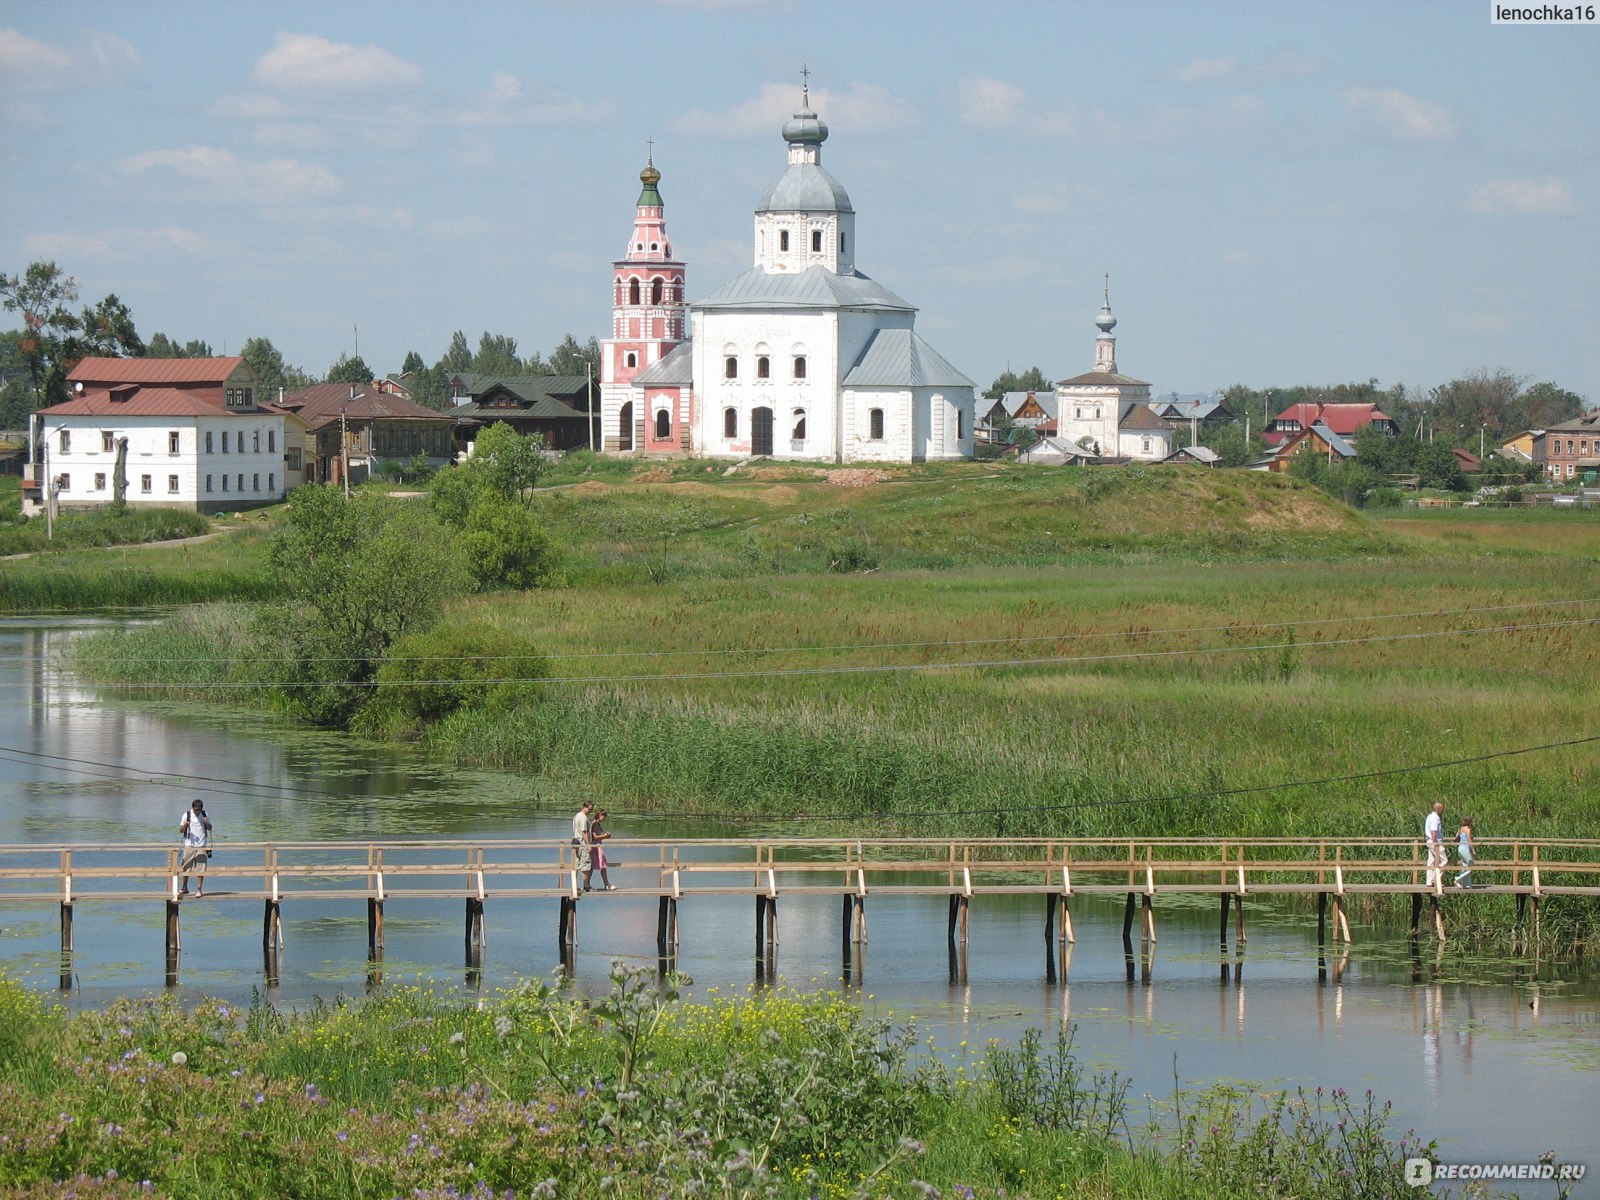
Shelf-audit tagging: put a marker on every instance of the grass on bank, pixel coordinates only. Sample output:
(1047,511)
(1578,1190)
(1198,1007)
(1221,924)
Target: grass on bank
(537,1093)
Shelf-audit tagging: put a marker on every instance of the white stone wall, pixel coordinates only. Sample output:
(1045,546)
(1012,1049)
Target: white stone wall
(1148,444)
(772,257)
(780,336)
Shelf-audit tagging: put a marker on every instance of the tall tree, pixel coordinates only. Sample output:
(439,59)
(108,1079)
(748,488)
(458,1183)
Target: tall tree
(1031,380)
(497,355)
(571,358)
(197,348)
(1545,404)
(430,386)
(161,346)
(412,364)
(41,294)
(459,356)
(107,329)
(272,373)
(349,370)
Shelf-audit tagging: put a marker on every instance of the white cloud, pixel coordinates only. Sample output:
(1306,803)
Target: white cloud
(118,244)
(305,61)
(248,108)
(510,100)
(29,65)
(1521,198)
(275,181)
(1399,115)
(988,103)
(1232,71)
(997,105)
(865,108)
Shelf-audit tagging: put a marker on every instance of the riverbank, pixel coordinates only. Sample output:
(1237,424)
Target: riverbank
(638,1094)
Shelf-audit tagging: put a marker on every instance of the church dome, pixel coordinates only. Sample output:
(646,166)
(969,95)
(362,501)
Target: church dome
(806,186)
(805,126)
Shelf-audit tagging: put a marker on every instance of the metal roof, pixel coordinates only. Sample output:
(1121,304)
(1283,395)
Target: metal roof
(815,287)
(1101,379)
(1046,400)
(899,358)
(153,370)
(324,402)
(805,187)
(677,368)
(148,402)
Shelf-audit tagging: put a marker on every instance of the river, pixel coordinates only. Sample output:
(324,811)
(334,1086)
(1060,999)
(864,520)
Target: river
(1496,1058)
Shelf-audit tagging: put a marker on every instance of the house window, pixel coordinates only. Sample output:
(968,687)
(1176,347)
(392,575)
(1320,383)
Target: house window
(272,482)
(100,481)
(172,484)
(1569,446)
(255,483)
(241,481)
(799,366)
(272,441)
(66,441)
(816,241)
(108,441)
(730,422)
(663,425)
(633,291)
(144,484)
(224,483)
(875,424)
(961,424)
(208,484)
(291,458)
(783,240)
(172,442)
(730,367)
(208,441)
(255,440)
(224,441)
(763,367)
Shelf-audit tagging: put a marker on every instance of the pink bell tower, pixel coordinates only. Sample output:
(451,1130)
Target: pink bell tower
(648,319)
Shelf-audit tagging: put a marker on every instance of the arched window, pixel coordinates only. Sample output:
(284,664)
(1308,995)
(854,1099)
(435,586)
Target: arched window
(763,367)
(961,424)
(816,241)
(875,424)
(655,291)
(663,425)
(799,434)
(631,359)
(625,427)
(730,422)
(783,239)
(799,366)
(633,291)
(730,367)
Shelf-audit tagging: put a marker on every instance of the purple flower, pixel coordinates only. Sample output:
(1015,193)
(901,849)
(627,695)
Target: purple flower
(342,1136)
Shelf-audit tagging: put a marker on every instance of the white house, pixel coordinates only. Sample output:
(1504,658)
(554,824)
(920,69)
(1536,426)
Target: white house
(169,432)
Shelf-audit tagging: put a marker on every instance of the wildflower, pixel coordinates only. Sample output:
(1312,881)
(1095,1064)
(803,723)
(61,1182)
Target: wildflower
(457,1038)
(342,1136)
(502,1026)
(179,1058)
(311,1091)
(911,1145)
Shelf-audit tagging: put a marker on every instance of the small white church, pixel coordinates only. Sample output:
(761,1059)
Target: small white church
(800,357)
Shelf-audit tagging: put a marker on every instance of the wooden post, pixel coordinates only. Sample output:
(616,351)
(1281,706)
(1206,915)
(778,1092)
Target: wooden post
(1149,919)
(860,930)
(1050,903)
(1222,928)
(1322,918)
(1127,919)
(761,931)
(672,921)
(950,933)
(1438,916)
(1416,910)
(661,925)
(966,915)
(374,927)
(174,940)
(772,922)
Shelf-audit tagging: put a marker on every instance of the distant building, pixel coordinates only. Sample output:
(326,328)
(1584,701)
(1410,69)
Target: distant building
(1319,439)
(162,432)
(1346,420)
(1571,449)
(1203,410)
(360,426)
(552,408)
(1202,456)
(1106,412)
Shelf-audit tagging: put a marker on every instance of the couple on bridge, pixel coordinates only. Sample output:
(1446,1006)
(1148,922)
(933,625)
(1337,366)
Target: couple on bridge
(1439,854)
(589,836)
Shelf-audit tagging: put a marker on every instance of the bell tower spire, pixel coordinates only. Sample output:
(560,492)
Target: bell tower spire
(1105,345)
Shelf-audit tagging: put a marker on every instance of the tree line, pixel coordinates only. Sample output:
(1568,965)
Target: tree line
(56,335)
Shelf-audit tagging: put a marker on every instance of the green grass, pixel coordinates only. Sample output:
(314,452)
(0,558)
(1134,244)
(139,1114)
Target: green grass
(636,1094)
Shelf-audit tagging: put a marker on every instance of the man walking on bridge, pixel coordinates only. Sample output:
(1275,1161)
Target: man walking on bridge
(1433,834)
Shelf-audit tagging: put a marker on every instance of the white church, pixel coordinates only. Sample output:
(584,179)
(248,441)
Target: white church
(800,357)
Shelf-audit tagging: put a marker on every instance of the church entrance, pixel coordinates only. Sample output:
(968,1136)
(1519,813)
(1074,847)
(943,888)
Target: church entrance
(625,427)
(761,432)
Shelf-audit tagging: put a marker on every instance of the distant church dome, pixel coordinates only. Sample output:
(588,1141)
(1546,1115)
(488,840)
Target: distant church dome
(805,186)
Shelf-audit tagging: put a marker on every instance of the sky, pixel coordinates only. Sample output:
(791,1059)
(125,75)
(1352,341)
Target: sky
(1300,193)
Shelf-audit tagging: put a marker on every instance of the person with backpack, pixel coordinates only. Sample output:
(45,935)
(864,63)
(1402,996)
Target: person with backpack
(196,830)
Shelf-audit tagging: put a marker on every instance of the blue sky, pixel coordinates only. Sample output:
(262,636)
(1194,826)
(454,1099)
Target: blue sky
(1281,193)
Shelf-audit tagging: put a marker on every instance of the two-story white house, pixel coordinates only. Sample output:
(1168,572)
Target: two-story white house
(169,432)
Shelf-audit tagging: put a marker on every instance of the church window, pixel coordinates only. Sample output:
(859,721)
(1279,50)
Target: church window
(875,424)
(783,239)
(799,425)
(655,246)
(631,359)
(655,291)
(763,367)
(663,425)
(799,366)
(841,241)
(816,241)
(961,424)
(1078,413)
(730,367)
(730,422)
(633,291)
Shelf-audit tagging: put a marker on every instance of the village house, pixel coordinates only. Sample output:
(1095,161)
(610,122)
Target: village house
(554,409)
(360,427)
(159,432)
(1570,451)
(1318,439)
(1346,420)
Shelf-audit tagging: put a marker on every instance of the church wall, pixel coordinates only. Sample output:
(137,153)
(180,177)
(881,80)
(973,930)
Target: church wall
(782,335)
(898,421)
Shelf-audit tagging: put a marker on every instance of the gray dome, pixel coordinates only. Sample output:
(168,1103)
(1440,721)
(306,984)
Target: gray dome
(1105,321)
(805,126)
(805,187)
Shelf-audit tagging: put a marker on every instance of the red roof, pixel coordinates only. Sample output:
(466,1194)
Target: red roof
(153,370)
(324,402)
(144,402)
(1343,419)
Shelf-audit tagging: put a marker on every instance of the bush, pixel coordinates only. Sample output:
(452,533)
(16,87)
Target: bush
(427,676)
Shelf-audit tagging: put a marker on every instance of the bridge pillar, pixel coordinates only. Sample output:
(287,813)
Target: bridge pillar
(1416,912)
(1222,930)
(476,939)
(374,927)
(272,925)
(1127,920)
(1322,918)
(1149,934)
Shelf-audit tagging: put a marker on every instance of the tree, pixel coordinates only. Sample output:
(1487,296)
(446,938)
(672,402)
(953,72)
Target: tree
(1481,400)
(359,574)
(488,499)
(570,358)
(412,364)
(41,294)
(459,356)
(107,329)
(272,373)
(197,348)
(497,355)
(1545,404)
(161,346)
(1227,439)
(1031,380)
(349,370)
(430,386)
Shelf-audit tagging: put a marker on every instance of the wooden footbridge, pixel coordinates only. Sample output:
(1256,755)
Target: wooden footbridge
(675,871)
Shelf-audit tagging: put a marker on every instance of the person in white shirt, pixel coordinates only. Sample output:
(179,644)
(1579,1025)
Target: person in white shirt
(196,830)
(1433,834)
(581,844)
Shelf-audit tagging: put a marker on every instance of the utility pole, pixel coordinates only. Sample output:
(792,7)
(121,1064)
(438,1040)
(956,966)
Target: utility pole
(589,402)
(344,452)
